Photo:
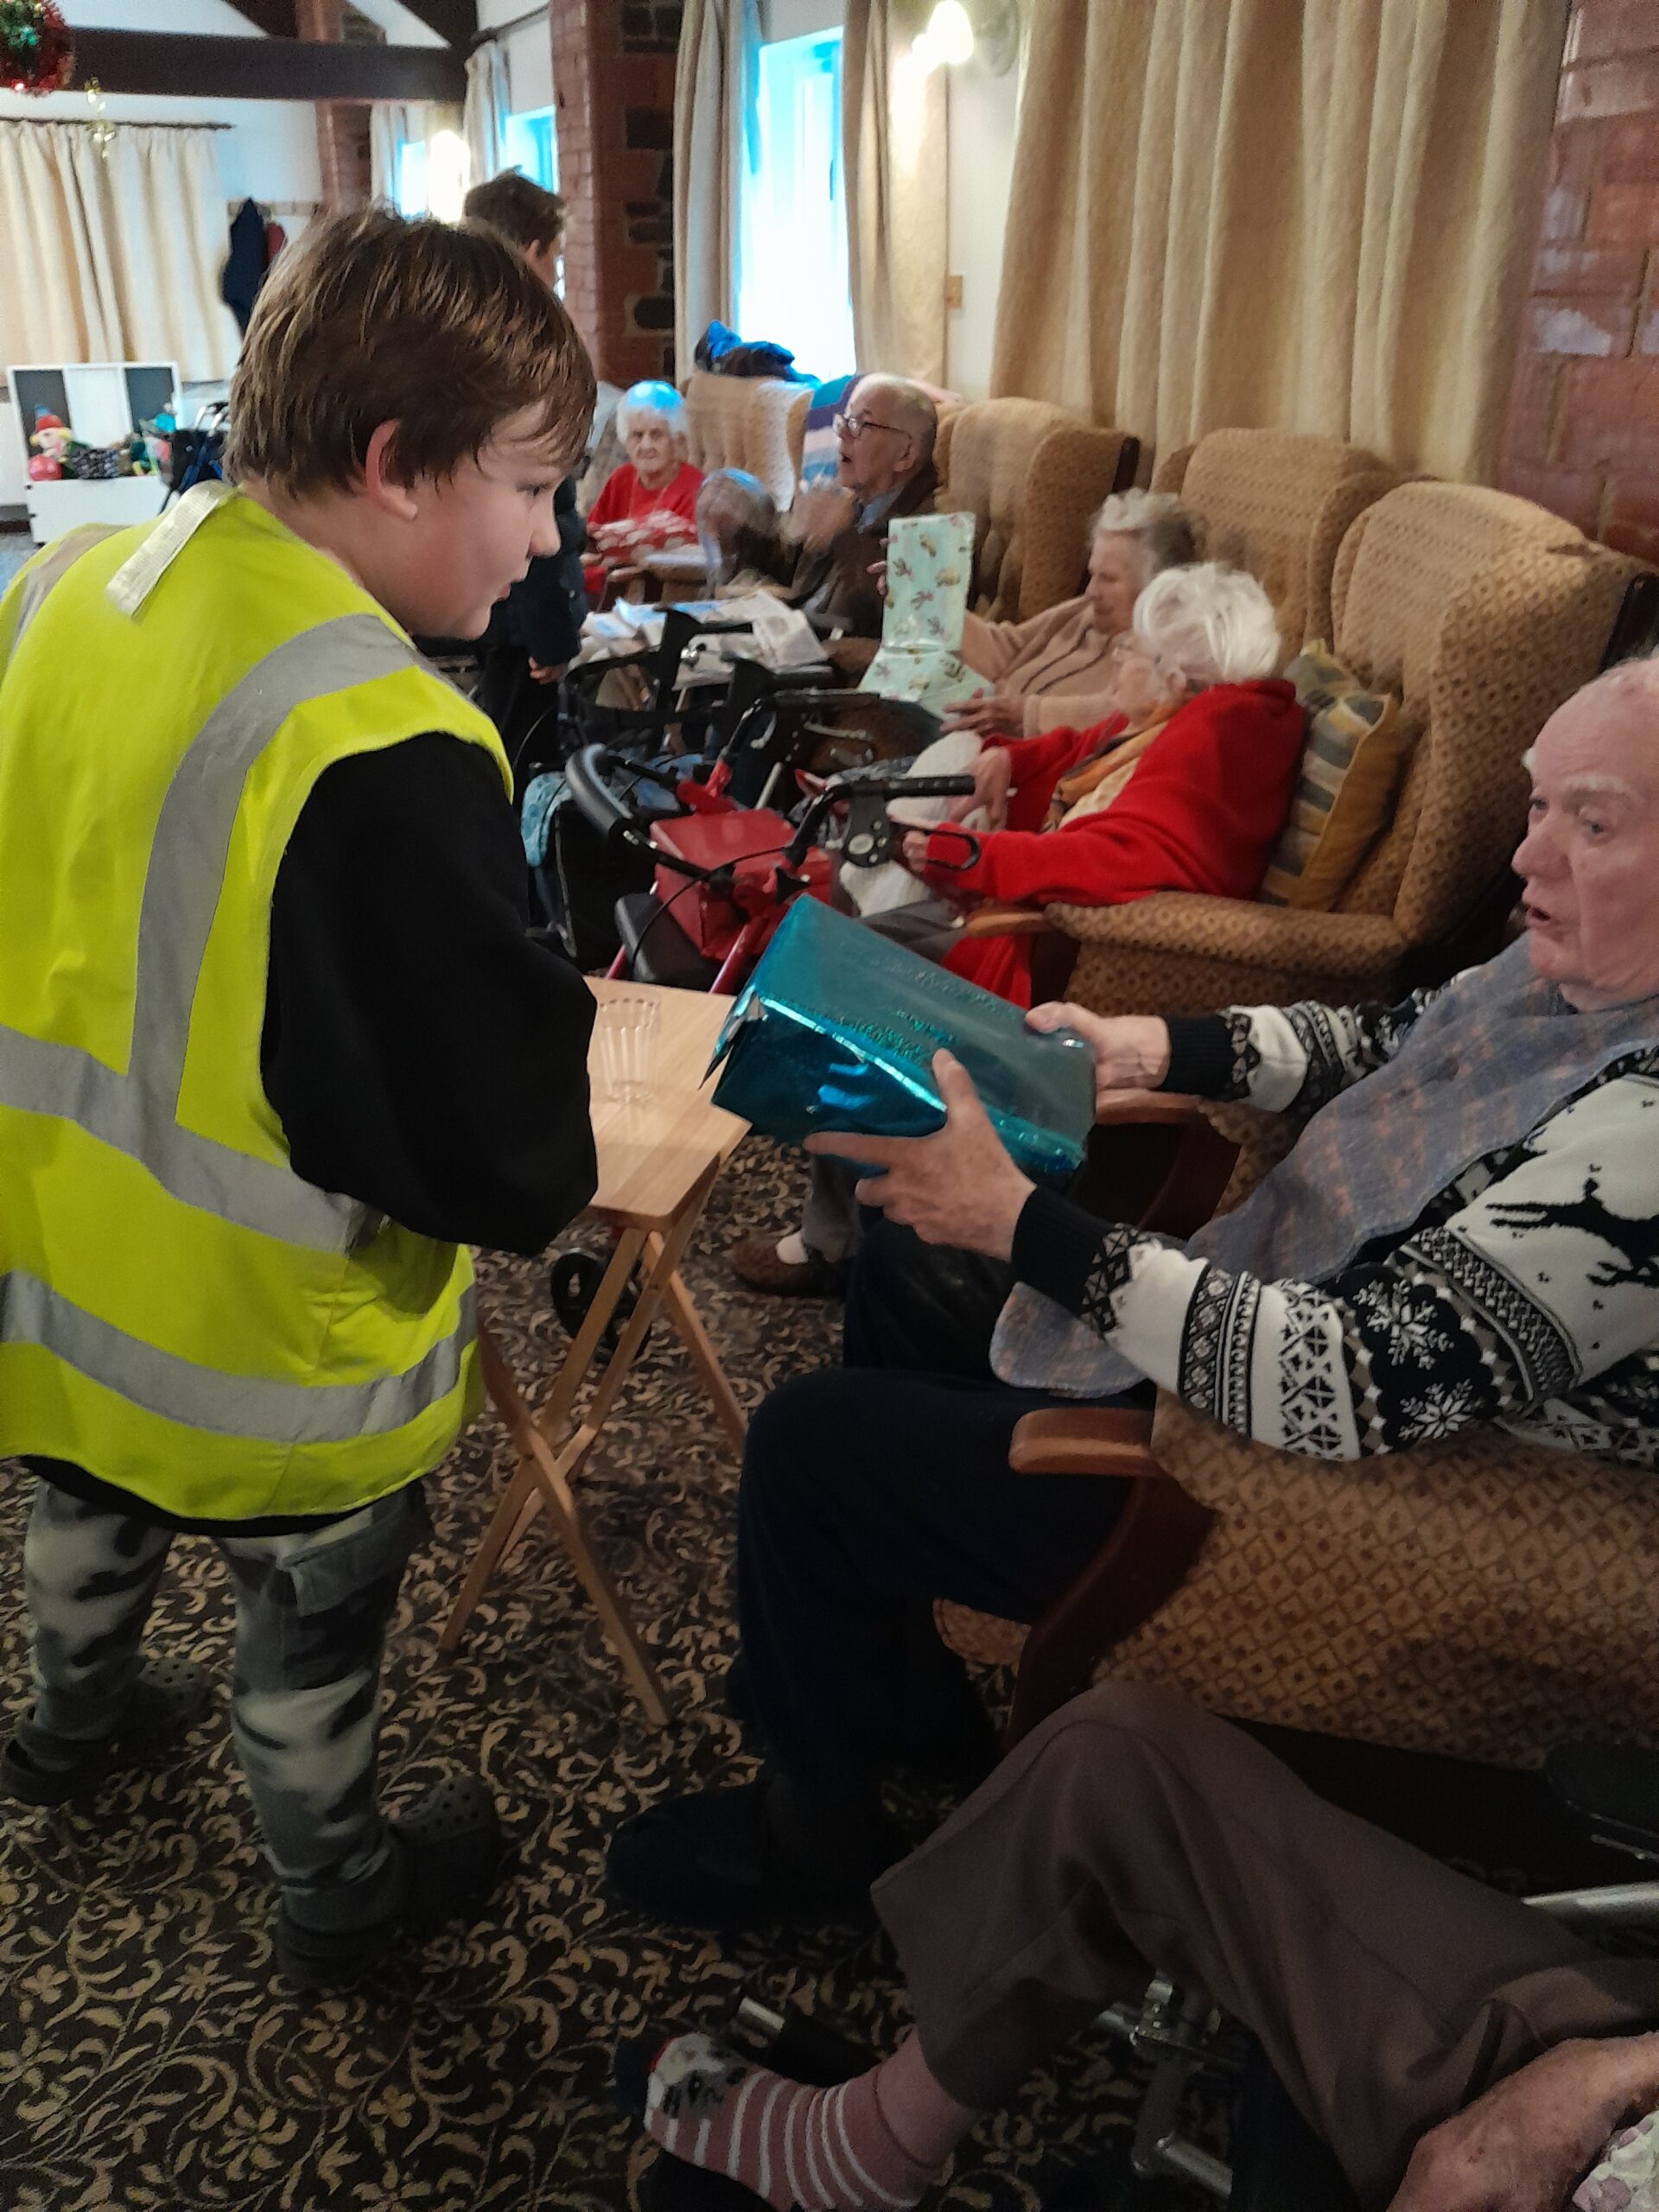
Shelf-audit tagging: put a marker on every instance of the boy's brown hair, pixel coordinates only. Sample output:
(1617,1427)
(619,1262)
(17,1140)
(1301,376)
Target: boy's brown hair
(524,213)
(370,318)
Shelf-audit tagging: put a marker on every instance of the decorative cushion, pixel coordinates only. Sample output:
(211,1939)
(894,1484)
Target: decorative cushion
(1355,751)
(821,449)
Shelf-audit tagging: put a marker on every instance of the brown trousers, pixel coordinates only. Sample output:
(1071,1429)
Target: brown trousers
(1134,1832)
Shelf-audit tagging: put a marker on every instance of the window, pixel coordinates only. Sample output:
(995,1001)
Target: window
(411,177)
(533,147)
(793,280)
(433,175)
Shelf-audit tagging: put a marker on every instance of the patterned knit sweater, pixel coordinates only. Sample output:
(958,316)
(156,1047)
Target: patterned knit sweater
(1526,1293)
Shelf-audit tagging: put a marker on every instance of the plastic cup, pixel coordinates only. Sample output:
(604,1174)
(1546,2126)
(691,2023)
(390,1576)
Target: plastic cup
(625,1035)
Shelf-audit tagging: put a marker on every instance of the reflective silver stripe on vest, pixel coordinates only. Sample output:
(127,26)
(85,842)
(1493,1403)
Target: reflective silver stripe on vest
(192,844)
(37,1077)
(228,1405)
(136,1112)
(54,565)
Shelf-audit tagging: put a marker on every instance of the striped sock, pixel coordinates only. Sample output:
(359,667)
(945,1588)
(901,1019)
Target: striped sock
(822,2150)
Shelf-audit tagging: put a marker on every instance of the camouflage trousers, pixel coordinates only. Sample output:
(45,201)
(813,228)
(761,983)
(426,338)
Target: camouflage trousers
(311,1616)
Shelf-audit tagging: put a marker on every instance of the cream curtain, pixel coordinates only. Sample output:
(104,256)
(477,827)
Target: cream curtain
(485,116)
(1280,213)
(113,255)
(389,133)
(713,112)
(893,143)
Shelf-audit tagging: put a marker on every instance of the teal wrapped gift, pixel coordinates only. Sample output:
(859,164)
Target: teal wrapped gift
(837,1027)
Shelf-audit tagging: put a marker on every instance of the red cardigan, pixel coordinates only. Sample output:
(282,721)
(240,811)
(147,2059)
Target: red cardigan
(623,498)
(1201,812)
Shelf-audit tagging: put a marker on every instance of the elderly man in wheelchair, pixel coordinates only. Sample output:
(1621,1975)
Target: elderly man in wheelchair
(1467,1231)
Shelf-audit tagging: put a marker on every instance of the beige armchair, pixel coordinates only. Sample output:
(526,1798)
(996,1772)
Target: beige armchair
(1279,504)
(1031,475)
(1484,612)
(1479,1597)
(753,422)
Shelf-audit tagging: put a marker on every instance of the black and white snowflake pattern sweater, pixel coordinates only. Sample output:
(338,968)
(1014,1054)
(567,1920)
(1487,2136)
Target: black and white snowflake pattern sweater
(1525,1293)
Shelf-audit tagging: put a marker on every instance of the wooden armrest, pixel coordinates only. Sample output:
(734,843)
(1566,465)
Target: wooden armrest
(1085,1441)
(1172,1110)
(1006,921)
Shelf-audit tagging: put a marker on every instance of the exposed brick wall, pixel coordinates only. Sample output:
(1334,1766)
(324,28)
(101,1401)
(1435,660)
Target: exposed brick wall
(342,126)
(1582,437)
(614,80)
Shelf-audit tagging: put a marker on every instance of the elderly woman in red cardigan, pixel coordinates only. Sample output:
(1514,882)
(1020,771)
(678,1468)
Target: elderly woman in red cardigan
(1186,788)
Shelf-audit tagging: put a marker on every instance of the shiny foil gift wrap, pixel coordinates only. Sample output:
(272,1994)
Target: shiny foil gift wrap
(837,1027)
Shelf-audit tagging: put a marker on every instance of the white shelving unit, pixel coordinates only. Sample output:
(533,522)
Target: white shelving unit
(103,402)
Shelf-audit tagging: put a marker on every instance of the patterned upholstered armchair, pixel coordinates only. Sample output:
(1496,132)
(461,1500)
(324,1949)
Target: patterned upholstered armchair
(753,422)
(1031,475)
(1478,1597)
(1279,504)
(1484,613)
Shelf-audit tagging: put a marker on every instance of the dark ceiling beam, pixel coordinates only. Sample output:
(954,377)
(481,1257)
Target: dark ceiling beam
(275,17)
(455,21)
(163,62)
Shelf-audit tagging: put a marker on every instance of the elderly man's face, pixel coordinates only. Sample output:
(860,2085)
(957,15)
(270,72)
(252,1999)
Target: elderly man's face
(1590,859)
(876,455)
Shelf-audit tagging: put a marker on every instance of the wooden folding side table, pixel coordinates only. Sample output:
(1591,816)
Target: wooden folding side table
(659,1160)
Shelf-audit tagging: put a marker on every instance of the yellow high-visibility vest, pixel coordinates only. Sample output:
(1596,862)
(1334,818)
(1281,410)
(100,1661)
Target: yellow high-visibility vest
(181,1313)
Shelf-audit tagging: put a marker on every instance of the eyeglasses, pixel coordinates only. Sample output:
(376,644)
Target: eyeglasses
(853,426)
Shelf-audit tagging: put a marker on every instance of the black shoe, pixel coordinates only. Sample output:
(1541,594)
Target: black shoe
(168,1698)
(448,1853)
(669,2185)
(711,1860)
(955,1743)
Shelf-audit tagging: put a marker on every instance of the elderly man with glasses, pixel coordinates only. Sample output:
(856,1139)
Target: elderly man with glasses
(836,534)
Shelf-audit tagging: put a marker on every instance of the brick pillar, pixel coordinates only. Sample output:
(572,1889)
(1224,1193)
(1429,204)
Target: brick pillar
(342,126)
(614,80)
(1582,437)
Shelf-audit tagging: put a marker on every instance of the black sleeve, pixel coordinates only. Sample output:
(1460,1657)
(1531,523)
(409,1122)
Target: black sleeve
(424,1054)
(1056,1245)
(545,619)
(1202,1056)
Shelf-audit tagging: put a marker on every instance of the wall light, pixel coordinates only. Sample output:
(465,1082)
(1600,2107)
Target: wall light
(447,161)
(949,37)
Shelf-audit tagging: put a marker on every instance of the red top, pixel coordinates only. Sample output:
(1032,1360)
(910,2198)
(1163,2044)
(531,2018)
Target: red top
(1201,813)
(624,498)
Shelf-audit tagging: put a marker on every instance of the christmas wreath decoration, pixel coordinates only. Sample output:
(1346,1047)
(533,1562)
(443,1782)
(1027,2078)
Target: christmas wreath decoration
(36,53)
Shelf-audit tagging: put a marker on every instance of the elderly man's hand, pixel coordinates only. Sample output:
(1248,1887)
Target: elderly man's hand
(958,1187)
(1131,1049)
(820,512)
(995,713)
(1521,2146)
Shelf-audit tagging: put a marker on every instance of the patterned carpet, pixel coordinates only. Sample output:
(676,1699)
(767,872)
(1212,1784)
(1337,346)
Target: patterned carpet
(149,2062)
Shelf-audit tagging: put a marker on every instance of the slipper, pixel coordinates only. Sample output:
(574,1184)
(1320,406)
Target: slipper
(169,1697)
(448,1855)
(711,1859)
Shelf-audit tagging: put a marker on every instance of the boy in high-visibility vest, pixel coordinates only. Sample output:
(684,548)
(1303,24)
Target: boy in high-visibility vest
(276,1047)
